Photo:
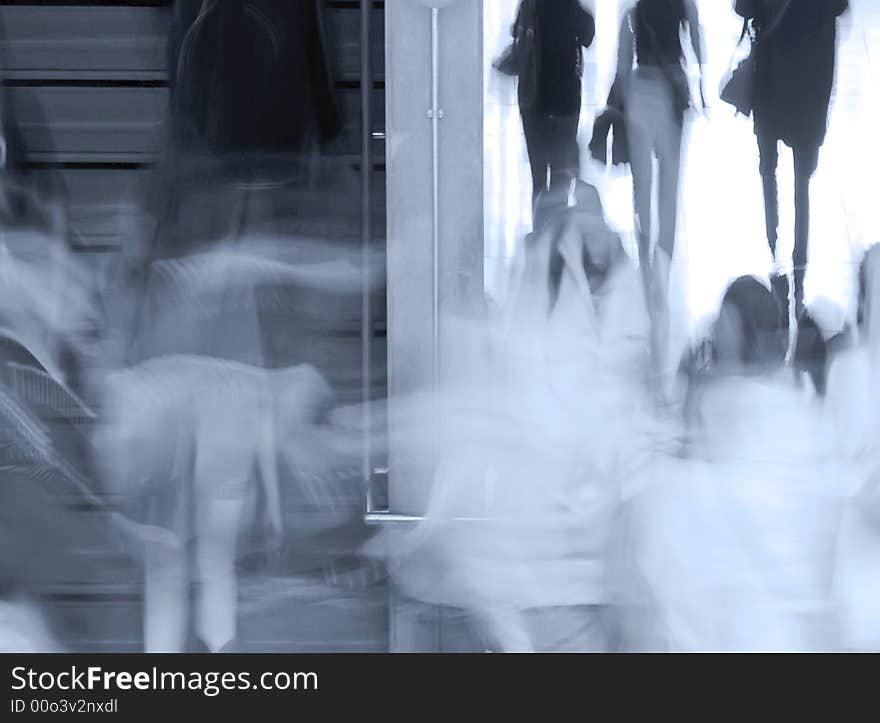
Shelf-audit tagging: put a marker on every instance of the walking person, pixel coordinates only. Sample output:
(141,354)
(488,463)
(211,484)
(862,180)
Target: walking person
(549,36)
(794,54)
(652,78)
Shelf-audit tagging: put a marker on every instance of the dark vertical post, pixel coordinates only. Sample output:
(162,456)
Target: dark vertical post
(366,242)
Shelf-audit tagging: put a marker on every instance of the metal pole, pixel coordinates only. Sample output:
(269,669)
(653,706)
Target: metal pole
(366,243)
(436,114)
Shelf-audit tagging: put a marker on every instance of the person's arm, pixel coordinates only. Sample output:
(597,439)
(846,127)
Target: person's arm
(626,48)
(693,21)
(586,25)
(695,32)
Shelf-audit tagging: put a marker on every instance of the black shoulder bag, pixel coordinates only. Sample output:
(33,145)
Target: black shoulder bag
(739,89)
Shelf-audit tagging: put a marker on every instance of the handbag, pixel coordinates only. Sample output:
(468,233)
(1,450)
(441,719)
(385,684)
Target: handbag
(611,121)
(739,88)
(507,63)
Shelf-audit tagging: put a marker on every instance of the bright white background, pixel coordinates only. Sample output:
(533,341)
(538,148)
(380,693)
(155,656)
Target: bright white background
(721,229)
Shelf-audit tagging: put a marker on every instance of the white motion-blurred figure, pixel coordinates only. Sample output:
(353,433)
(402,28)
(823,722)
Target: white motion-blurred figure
(736,542)
(213,425)
(532,449)
(188,434)
(853,402)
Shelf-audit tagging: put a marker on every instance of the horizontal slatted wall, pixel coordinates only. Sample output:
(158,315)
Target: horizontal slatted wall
(89,84)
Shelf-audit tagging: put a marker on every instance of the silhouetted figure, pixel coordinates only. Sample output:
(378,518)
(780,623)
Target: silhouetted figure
(550,35)
(656,94)
(250,77)
(252,105)
(735,540)
(794,75)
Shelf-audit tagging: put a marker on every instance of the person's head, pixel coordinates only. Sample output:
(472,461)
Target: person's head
(748,331)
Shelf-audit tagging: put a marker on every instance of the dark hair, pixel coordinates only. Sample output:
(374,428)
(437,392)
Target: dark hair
(763,342)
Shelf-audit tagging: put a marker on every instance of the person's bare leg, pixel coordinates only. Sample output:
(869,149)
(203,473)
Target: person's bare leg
(166,594)
(217,524)
(768,159)
(225,459)
(669,162)
(642,164)
(805,162)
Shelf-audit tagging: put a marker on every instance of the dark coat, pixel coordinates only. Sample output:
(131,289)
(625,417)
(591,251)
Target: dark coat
(250,77)
(562,28)
(794,68)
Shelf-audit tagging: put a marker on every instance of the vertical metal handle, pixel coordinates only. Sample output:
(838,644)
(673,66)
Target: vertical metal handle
(366,243)
(435,114)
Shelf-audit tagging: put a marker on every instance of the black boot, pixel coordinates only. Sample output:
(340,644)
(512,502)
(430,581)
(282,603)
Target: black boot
(779,285)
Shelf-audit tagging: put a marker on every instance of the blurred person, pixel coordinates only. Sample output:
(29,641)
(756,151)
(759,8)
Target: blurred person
(49,492)
(736,539)
(252,104)
(184,438)
(794,54)
(193,441)
(252,107)
(180,440)
(656,93)
(853,400)
(533,444)
(548,37)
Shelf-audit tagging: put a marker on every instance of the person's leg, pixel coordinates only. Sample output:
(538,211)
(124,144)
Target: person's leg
(564,155)
(535,147)
(768,153)
(669,161)
(668,145)
(641,157)
(225,457)
(806,159)
(165,599)
(217,526)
